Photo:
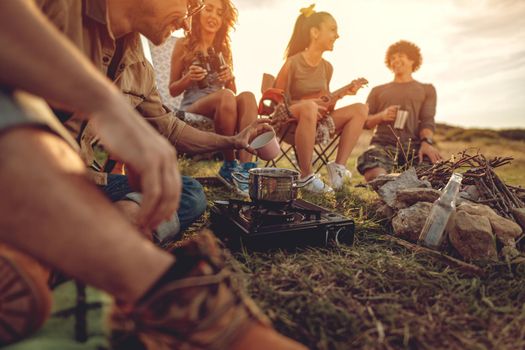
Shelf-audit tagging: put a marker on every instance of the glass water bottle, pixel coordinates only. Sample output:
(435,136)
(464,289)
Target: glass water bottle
(433,232)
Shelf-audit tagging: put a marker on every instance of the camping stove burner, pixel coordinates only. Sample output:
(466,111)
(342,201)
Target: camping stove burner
(269,225)
(266,216)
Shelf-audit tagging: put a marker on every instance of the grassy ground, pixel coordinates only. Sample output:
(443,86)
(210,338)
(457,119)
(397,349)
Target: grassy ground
(377,295)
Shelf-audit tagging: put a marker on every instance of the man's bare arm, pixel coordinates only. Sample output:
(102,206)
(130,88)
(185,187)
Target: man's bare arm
(195,141)
(36,58)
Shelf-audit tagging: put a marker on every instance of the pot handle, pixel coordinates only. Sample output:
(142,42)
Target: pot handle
(304,182)
(237,177)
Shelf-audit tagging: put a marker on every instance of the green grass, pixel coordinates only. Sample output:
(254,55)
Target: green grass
(378,295)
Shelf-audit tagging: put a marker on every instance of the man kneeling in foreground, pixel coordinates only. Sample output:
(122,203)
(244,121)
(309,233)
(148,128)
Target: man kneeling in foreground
(50,211)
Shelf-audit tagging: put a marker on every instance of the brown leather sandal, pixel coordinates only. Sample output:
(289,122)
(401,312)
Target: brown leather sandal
(25,298)
(206,309)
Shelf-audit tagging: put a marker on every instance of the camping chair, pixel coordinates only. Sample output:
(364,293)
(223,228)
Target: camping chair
(161,60)
(270,99)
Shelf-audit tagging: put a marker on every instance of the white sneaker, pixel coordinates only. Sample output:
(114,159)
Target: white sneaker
(317,186)
(337,174)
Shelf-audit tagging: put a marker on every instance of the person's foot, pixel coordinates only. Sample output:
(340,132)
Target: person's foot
(337,174)
(25,298)
(316,185)
(244,188)
(226,170)
(203,309)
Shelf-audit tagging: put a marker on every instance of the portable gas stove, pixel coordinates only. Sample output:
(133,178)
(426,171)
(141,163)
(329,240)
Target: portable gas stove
(263,226)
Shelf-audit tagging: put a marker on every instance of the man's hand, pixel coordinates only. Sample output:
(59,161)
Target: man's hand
(389,114)
(242,139)
(430,151)
(149,156)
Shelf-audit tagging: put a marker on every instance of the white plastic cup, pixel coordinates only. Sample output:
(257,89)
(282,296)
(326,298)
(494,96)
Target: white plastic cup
(266,145)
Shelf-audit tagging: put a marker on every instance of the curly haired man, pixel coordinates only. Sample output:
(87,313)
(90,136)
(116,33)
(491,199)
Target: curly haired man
(409,143)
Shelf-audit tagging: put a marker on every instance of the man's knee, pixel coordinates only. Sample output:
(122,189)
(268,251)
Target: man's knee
(374,162)
(30,148)
(193,195)
(371,174)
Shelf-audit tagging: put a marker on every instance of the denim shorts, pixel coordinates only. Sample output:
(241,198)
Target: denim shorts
(192,202)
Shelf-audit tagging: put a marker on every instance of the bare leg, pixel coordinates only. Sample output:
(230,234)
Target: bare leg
(349,121)
(306,114)
(221,106)
(51,212)
(247,113)
(371,174)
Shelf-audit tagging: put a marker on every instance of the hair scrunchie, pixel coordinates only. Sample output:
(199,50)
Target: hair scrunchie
(308,11)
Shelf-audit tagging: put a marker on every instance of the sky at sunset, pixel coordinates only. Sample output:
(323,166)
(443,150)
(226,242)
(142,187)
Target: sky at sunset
(473,50)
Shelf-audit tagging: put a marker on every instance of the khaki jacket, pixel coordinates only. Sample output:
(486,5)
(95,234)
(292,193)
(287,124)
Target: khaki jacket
(86,24)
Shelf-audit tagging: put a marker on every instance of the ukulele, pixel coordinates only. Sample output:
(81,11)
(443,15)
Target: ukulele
(331,98)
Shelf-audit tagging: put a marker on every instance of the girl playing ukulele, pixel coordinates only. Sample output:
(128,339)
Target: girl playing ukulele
(305,78)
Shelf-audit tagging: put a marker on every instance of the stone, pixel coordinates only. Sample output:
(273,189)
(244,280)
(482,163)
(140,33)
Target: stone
(471,235)
(505,229)
(519,215)
(407,179)
(381,180)
(409,222)
(410,196)
(384,211)
(476,209)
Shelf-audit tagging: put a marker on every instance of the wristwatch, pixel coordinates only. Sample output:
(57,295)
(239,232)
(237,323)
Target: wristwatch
(427,140)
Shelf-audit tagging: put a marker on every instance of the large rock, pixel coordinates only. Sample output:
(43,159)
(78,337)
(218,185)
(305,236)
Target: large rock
(382,179)
(505,230)
(410,196)
(384,211)
(408,222)
(408,179)
(476,209)
(472,237)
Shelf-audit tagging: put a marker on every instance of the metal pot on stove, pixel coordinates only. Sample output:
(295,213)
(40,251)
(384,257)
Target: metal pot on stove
(273,185)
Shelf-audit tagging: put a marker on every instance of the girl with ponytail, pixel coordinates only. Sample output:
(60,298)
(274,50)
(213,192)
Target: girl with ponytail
(305,78)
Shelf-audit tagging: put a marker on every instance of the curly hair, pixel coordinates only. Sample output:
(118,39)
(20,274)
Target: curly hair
(405,47)
(222,41)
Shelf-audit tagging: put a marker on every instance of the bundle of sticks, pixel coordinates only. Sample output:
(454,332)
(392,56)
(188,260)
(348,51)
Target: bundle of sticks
(479,171)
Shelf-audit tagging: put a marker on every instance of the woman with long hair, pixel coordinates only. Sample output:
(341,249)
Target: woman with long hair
(305,78)
(202,70)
